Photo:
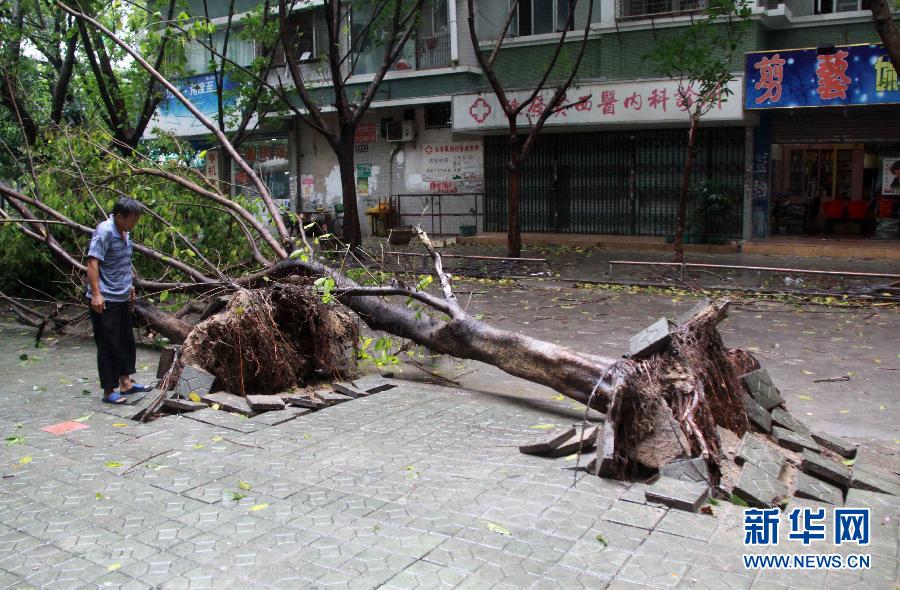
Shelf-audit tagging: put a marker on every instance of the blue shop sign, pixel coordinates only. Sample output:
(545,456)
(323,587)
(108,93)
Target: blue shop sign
(842,75)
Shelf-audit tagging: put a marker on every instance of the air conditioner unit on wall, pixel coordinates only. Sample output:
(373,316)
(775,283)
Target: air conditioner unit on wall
(399,131)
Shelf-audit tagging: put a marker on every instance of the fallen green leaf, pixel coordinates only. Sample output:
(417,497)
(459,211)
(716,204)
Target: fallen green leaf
(14,440)
(602,540)
(113,567)
(194,397)
(234,496)
(849,462)
(113,464)
(119,425)
(737,501)
(217,438)
(245,486)
(496,528)
(258,507)
(805,398)
(25,460)
(543,426)
(83,418)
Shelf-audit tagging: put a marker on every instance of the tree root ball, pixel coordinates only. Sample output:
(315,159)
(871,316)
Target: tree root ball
(668,406)
(269,340)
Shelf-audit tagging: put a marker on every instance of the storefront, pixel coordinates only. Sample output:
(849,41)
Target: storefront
(613,163)
(828,140)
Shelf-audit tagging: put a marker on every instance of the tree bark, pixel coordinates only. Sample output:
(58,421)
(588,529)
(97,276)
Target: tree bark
(346,164)
(513,230)
(173,328)
(887,30)
(680,220)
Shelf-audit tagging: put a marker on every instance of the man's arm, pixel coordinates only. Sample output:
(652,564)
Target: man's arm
(93,274)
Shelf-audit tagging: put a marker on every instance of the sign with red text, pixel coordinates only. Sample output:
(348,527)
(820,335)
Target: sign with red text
(829,76)
(643,101)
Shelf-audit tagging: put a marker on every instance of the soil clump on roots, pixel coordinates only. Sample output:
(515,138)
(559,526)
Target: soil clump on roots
(268,340)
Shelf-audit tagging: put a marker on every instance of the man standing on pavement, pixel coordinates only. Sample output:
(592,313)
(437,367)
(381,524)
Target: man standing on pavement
(111,293)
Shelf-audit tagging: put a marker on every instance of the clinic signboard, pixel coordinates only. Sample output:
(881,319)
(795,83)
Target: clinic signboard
(842,75)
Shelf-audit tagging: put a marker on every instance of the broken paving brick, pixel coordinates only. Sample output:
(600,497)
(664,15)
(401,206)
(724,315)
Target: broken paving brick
(265,403)
(758,453)
(758,488)
(651,339)
(835,444)
(695,470)
(349,390)
(824,468)
(65,427)
(757,414)
(781,417)
(548,441)
(579,441)
(605,461)
(761,388)
(810,488)
(689,315)
(183,405)
(228,402)
(304,401)
(677,493)
(194,379)
(330,398)
(166,358)
(794,440)
(373,385)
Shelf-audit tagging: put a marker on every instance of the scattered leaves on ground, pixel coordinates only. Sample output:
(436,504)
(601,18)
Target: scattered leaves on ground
(496,528)
(245,485)
(113,464)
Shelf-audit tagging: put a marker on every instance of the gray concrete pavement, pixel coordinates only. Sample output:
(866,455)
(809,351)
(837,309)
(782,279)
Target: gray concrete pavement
(416,487)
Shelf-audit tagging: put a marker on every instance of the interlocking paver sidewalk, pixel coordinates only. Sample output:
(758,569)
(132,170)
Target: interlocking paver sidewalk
(415,487)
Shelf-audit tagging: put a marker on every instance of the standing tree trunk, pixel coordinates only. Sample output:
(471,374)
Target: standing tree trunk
(685,189)
(887,30)
(513,231)
(346,163)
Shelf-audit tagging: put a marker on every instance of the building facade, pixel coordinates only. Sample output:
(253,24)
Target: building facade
(433,145)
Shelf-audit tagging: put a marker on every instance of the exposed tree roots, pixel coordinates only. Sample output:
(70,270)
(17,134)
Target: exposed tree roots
(269,340)
(667,406)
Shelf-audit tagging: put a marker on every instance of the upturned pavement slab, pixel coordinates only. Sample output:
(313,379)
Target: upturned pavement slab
(761,454)
(762,389)
(794,441)
(835,444)
(676,493)
(784,419)
(757,414)
(695,470)
(194,379)
(825,468)
(812,488)
(650,340)
(758,488)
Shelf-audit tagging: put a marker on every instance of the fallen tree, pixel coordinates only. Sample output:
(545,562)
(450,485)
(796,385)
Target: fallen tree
(287,319)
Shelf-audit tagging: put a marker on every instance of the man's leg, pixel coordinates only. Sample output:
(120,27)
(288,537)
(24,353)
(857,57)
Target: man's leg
(127,350)
(106,337)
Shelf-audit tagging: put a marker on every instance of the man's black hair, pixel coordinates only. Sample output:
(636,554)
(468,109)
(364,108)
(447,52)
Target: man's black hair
(895,166)
(127,206)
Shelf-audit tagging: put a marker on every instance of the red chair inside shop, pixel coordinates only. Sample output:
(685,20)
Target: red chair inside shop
(833,209)
(857,209)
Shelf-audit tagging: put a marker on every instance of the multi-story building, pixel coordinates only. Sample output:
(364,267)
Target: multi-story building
(800,162)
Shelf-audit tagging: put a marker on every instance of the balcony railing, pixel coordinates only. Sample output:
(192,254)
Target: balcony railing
(626,9)
(433,52)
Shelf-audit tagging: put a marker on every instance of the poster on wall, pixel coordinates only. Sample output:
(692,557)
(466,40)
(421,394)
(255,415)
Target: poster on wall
(366,133)
(363,172)
(453,167)
(307,183)
(890,184)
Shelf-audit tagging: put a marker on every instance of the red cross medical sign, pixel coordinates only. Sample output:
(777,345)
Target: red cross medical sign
(825,76)
(638,101)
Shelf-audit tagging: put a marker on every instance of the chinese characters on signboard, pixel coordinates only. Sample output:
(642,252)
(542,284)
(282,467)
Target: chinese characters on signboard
(452,167)
(172,116)
(627,102)
(838,76)
(365,133)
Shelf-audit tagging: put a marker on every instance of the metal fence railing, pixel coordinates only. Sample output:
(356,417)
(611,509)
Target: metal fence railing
(437,212)
(626,9)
